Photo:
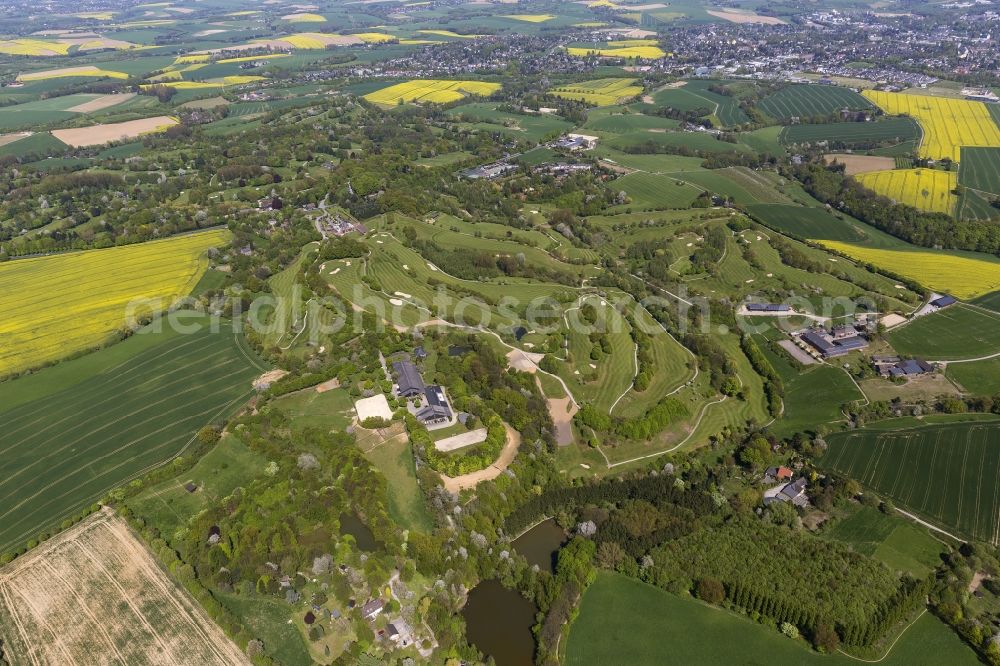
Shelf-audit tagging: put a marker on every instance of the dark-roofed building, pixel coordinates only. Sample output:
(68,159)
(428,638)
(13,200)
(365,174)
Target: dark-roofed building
(794,492)
(944,301)
(410,383)
(768,307)
(420,352)
(437,409)
(372,609)
(391,632)
(830,347)
(822,345)
(908,368)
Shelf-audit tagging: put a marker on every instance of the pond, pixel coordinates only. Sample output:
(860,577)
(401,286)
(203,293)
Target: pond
(351,524)
(498,621)
(540,545)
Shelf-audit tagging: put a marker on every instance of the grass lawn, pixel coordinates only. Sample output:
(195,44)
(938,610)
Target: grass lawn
(331,409)
(394,458)
(953,333)
(624,621)
(269,620)
(981,377)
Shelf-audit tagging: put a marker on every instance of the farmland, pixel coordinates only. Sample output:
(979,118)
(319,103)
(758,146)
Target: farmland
(804,101)
(600,92)
(964,275)
(726,107)
(957,332)
(924,189)
(805,222)
(430,90)
(623,620)
(947,473)
(95,594)
(648,52)
(980,169)
(62,304)
(948,124)
(896,130)
(97,135)
(66,448)
(899,543)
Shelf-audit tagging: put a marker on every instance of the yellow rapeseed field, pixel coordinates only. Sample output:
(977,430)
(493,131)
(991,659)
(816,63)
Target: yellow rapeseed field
(648,52)
(304,40)
(304,17)
(194,57)
(961,276)
(947,124)
(530,18)
(61,304)
(71,71)
(34,47)
(269,56)
(446,33)
(600,92)
(431,90)
(373,37)
(925,189)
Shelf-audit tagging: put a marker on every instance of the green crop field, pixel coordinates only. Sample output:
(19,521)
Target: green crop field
(39,144)
(899,543)
(812,223)
(891,129)
(625,621)
(66,448)
(811,100)
(623,123)
(980,377)
(980,169)
(699,143)
(948,473)
(957,332)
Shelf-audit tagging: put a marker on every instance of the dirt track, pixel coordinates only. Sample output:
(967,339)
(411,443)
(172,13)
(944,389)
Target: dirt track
(466,481)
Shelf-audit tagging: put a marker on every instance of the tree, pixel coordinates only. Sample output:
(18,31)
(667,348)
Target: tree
(710,590)
(756,453)
(825,638)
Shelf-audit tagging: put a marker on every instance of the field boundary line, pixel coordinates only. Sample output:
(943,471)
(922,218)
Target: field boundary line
(889,649)
(684,441)
(928,525)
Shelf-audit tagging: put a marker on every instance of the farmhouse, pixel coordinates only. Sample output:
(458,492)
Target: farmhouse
(944,301)
(371,609)
(409,383)
(841,342)
(768,307)
(776,474)
(437,409)
(794,492)
(898,368)
(575,142)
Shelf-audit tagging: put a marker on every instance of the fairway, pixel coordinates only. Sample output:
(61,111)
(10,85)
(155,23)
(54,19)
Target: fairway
(57,305)
(924,189)
(812,223)
(948,124)
(956,332)
(811,100)
(947,473)
(66,449)
(625,621)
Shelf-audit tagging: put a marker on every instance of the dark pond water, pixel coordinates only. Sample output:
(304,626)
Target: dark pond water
(351,524)
(541,544)
(498,621)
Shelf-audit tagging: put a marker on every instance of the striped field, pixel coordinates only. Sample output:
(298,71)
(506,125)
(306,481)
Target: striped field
(947,473)
(66,449)
(929,190)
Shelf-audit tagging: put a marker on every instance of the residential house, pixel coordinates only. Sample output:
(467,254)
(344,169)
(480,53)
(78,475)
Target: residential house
(408,380)
(437,409)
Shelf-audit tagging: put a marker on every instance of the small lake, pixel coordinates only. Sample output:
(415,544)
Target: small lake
(351,524)
(540,545)
(498,621)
